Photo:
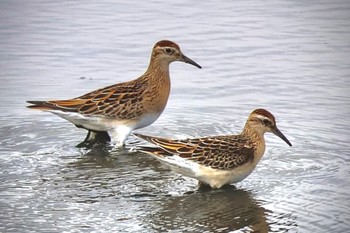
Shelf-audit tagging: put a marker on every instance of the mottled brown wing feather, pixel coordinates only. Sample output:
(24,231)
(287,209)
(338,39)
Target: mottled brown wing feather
(156,151)
(120,100)
(221,152)
(161,142)
(64,105)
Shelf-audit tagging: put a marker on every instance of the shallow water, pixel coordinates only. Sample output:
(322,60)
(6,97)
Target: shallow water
(289,57)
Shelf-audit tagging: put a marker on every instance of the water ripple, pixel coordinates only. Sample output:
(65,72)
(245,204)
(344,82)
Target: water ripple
(289,57)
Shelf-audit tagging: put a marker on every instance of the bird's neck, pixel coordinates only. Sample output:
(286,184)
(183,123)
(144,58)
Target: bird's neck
(257,138)
(158,71)
(252,132)
(158,83)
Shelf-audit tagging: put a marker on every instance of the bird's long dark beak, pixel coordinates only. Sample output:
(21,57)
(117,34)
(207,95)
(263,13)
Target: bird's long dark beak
(190,61)
(278,133)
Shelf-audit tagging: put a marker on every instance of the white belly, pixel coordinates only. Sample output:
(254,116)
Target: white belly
(99,123)
(118,129)
(214,177)
(146,120)
(217,178)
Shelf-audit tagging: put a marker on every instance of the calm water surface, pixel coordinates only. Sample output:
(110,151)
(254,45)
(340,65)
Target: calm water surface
(291,57)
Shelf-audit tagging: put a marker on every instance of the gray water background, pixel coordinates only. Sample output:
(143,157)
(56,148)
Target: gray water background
(290,57)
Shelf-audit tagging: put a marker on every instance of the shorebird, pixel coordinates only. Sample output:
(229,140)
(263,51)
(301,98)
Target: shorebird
(217,160)
(119,109)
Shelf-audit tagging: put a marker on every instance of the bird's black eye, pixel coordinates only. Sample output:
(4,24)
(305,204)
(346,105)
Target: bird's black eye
(266,122)
(168,51)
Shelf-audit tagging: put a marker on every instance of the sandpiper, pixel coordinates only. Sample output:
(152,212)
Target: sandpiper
(118,109)
(217,160)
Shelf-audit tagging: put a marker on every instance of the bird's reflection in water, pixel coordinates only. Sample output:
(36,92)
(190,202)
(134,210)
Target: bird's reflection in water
(103,156)
(101,175)
(222,210)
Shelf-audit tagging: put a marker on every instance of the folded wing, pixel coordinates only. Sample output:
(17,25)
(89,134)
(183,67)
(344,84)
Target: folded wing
(121,101)
(219,152)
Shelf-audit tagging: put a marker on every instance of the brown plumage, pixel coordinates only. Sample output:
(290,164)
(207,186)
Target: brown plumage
(106,102)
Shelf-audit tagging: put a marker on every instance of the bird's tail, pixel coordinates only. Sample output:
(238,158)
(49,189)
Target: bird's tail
(40,105)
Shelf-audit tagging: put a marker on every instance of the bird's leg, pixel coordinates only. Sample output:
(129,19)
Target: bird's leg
(95,137)
(119,135)
(203,186)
